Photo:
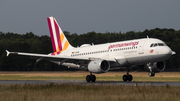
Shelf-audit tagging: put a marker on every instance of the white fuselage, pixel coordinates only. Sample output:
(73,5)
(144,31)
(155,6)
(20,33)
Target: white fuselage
(127,53)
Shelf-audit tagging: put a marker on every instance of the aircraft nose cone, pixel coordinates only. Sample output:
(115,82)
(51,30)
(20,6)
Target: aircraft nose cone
(173,52)
(167,52)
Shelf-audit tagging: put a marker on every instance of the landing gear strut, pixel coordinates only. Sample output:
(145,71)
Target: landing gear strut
(127,77)
(90,78)
(151,73)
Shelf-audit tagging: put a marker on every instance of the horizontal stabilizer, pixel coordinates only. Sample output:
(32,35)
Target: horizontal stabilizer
(10,52)
(7,52)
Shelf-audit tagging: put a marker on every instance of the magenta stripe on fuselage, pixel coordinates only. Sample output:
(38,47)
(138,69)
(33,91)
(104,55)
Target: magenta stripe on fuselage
(51,33)
(58,35)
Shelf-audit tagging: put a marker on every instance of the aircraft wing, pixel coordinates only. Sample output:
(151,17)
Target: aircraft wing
(40,57)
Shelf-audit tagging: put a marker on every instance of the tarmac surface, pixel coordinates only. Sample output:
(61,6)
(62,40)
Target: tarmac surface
(117,83)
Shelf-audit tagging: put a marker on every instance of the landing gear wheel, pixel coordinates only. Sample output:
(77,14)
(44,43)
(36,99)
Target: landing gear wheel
(93,78)
(151,74)
(125,78)
(130,78)
(88,78)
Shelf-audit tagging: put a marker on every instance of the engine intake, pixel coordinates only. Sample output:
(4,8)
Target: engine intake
(98,66)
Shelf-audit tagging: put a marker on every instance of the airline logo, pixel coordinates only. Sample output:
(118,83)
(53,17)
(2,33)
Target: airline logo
(124,44)
(59,41)
(151,51)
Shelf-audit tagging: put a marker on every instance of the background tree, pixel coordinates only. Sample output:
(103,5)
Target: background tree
(42,44)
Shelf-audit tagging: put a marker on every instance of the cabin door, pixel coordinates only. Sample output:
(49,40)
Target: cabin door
(141,47)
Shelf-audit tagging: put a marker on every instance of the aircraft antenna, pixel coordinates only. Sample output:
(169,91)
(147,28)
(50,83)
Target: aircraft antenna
(147,37)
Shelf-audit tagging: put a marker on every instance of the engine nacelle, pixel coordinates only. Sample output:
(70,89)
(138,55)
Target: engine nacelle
(98,66)
(156,67)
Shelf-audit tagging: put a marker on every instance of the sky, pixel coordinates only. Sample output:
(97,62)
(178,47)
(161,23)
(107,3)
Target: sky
(82,16)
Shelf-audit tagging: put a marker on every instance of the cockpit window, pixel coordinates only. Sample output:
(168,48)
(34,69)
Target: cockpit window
(151,45)
(160,44)
(155,45)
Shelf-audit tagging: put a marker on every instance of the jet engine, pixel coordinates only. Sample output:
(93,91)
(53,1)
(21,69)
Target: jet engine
(156,67)
(98,66)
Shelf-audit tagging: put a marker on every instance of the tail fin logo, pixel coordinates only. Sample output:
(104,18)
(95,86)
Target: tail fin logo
(59,41)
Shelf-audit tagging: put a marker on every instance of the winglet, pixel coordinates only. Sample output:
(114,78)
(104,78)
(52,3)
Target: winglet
(7,52)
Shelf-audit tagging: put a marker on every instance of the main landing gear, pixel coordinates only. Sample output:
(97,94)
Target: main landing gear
(90,78)
(127,77)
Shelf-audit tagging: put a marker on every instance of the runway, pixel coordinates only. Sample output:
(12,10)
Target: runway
(83,82)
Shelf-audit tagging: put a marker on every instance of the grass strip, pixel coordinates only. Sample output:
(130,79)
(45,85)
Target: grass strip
(74,92)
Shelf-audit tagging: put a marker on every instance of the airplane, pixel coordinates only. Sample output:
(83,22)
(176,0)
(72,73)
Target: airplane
(150,52)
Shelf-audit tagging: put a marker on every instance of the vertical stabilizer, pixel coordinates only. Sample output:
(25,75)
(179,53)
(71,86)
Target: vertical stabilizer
(58,39)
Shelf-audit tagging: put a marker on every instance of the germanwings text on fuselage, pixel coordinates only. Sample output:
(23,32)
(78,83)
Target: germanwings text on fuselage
(124,44)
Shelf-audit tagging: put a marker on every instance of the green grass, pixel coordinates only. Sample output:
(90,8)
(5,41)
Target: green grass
(18,77)
(103,78)
(78,92)
(175,79)
(74,92)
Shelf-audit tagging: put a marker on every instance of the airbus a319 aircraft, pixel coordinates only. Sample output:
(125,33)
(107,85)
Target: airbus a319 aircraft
(149,52)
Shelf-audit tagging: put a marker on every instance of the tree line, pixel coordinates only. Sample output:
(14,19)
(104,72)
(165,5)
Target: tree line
(32,43)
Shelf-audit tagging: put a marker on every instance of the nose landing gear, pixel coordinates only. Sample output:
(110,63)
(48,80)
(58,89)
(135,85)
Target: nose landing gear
(151,73)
